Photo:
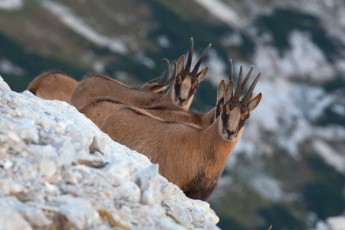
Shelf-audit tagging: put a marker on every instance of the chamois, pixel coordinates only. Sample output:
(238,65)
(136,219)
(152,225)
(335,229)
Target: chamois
(56,85)
(53,85)
(181,93)
(99,108)
(192,158)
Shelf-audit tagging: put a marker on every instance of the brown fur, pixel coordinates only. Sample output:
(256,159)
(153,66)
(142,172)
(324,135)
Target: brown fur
(100,86)
(98,109)
(191,157)
(56,85)
(53,85)
(154,86)
(181,93)
(185,154)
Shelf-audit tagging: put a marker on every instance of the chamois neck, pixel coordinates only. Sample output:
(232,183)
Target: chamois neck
(167,97)
(209,117)
(220,148)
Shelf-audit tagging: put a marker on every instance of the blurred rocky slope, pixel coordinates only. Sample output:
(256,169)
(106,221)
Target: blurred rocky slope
(292,154)
(59,171)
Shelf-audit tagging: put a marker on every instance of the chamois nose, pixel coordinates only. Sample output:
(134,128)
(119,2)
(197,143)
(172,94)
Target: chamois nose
(182,101)
(229,134)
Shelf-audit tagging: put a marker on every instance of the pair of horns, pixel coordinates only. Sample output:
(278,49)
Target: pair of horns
(187,69)
(235,96)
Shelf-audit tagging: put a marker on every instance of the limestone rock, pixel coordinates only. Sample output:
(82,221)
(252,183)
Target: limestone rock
(58,170)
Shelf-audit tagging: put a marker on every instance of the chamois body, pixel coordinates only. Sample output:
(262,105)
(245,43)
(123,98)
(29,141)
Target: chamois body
(192,158)
(181,93)
(101,86)
(53,85)
(189,156)
(98,109)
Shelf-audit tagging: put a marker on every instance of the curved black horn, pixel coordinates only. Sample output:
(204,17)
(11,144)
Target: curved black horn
(231,71)
(190,56)
(167,70)
(201,59)
(247,77)
(238,91)
(249,93)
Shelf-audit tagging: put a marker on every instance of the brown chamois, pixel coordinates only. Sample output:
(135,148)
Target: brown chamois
(181,93)
(53,85)
(99,108)
(192,158)
(56,85)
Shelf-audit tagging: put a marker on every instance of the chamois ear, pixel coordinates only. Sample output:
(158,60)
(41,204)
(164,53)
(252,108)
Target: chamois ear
(201,75)
(179,65)
(220,91)
(254,102)
(229,91)
(155,80)
(158,88)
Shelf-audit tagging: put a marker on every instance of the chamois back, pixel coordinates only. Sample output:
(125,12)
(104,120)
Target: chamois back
(102,86)
(53,85)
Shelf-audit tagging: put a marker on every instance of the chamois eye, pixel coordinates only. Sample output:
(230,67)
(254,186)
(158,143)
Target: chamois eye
(179,80)
(246,116)
(227,110)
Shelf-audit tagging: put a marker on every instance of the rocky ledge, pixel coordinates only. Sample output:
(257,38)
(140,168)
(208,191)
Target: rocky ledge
(59,171)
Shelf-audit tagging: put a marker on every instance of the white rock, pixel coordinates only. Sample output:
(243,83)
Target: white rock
(336,223)
(10,219)
(79,211)
(127,191)
(9,186)
(47,168)
(57,162)
(151,192)
(3,85)
(33,215)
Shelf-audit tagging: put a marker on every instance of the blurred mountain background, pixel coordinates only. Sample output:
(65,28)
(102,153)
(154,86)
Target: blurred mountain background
(288,170)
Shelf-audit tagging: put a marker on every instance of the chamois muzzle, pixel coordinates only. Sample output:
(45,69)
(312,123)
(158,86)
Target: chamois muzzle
(181,101)
(230,135)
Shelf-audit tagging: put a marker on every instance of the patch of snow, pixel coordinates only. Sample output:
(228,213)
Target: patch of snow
(304,59)
(148,62)
(79,26)
(336,223)
(286,114)
(330,156)
(216,68)
(11,4)
(330,133)
(339,109)
(163,41)
(268,188)
(222,12)
(233,39)
(7,66)
(321,225)
(98,66)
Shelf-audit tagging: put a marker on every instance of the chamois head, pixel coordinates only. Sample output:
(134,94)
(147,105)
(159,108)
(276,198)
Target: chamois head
(236,110)
(187,80)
